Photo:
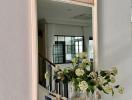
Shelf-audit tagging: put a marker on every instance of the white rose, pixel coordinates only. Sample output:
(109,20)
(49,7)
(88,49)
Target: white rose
(88,68)
(108,89)
(121,90)
(85,61)
(113,80)
(81,65)
(93,75)
(79,72)
(83,86)
(101,80)
(56,68)
(114,71)
(59,75)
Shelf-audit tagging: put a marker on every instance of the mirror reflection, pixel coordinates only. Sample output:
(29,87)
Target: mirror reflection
(64,30)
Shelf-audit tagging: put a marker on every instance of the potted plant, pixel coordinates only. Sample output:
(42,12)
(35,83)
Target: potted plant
(87,81)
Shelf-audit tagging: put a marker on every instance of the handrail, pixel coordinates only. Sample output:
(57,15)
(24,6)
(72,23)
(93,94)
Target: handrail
(50,66)
(49,62)
(45,59)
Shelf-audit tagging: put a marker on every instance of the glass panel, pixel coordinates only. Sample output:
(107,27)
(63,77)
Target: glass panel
(80,49)
(55,49)
(76,47)
(78,37)
(73,49)
(68,57)
(56,58)
(60,59)
(68,49)
(73,55)
(61,38)
(68,40)
(91,53)
(76,43)
(80,43)
(73,40)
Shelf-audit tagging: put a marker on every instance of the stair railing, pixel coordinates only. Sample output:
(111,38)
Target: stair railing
(51,85)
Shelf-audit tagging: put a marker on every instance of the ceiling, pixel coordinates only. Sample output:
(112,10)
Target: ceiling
(49,10)
(85,1)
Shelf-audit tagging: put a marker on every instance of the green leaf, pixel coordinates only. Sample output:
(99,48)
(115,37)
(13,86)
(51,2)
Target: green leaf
(92,83)
(91,88)
(117,86)
(100,87)
(103,73)
(112,92)
(104,91)
(107,77)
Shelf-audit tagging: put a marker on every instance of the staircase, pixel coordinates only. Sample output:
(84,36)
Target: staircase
(50,84)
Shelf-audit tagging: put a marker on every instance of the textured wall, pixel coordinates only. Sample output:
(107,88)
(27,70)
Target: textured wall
(115,42)
(15,69)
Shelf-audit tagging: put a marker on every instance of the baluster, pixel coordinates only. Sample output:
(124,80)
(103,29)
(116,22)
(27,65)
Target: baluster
(50,80)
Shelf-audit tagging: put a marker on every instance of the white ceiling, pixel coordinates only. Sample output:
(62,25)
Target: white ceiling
(49,9)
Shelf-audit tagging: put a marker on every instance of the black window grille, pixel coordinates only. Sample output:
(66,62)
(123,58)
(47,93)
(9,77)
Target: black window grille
(65,47)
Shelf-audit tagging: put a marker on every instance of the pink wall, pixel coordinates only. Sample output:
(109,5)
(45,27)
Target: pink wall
(15,62)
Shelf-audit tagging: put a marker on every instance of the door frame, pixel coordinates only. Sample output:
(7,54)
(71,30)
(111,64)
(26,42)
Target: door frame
(32,15)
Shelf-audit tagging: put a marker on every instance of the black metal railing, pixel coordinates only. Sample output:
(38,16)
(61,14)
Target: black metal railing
(51,85)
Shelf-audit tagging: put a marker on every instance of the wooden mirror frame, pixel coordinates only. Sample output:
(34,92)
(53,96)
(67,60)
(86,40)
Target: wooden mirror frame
(32,16)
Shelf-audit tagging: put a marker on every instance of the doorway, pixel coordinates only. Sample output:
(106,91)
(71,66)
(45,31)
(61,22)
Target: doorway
(40,35)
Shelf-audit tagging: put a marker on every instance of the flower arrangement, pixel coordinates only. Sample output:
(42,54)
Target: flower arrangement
(86,80)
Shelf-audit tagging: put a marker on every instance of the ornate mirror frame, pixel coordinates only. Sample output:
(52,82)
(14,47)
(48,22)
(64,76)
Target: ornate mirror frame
(32,14)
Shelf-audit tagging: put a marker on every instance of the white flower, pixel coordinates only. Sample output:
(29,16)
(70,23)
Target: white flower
(93,75)
(88,68)
(81,65)
(121,90)
(83,55)
(101,80)
(113,80)
(108,89)
(83,86)
(114,71)
(56,68)
(47,75)
(85,61)
(79,72)
(59,74)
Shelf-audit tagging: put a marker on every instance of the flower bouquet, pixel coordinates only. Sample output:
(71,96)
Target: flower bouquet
(86,80)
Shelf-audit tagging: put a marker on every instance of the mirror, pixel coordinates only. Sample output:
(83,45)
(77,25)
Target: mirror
(65,28)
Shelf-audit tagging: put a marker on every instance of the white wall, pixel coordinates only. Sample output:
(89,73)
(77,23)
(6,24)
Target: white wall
(115,42)
(115,46)
(69,30)
(42,92)
(15,68)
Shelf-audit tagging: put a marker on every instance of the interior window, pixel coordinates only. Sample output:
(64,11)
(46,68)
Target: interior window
(90,48)
(65,47)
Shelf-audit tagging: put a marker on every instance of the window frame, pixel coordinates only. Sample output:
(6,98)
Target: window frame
(65,46)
